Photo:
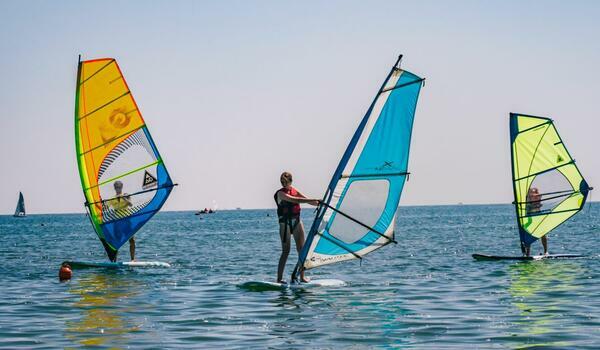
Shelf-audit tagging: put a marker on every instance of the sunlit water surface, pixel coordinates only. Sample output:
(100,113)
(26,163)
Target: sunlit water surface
(426,292)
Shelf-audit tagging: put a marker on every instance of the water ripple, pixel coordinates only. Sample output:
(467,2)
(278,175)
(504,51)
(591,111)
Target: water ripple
(424,293)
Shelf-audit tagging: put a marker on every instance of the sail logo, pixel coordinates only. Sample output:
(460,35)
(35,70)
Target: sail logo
(149,180)
(118,119)
(386,165)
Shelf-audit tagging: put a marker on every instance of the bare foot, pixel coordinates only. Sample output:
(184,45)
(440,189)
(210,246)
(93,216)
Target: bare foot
(305,279)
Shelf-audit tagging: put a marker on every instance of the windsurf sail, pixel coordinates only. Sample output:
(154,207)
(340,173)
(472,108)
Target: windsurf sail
(20,210)
(124,179)
(548,187)
(357,213)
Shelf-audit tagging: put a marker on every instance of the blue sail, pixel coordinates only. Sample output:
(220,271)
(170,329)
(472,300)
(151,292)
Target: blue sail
(359,207)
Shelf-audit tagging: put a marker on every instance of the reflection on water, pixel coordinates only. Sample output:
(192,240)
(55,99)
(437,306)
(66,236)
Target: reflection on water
(104,300)
(543,293)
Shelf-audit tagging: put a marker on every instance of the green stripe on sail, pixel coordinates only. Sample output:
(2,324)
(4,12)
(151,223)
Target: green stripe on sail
(125,174)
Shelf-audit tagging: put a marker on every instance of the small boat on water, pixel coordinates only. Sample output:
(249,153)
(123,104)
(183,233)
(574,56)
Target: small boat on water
(205,211)
(20,210)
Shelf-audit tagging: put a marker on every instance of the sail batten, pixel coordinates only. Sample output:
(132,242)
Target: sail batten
(373,175)
(105,105)
(359,207)
(547,185)
(125,174)
(123,177)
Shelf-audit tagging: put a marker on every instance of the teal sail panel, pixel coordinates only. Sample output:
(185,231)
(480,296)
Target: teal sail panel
(358,210)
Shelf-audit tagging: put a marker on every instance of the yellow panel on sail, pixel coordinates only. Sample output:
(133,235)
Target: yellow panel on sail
(107,115)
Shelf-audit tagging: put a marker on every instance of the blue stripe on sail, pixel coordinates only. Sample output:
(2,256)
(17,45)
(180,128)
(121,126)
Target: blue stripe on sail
(386,150)
(154,149)
(525,237)
(118,232)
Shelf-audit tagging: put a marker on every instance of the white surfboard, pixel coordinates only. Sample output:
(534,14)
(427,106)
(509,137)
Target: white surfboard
(266,285)
(117,265)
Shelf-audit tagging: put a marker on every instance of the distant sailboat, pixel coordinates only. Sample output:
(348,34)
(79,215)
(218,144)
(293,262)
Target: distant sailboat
(115,153)
(20,211)
(358,210)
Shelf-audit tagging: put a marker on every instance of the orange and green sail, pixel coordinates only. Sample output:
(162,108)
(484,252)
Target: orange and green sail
(548,187)
(124,179)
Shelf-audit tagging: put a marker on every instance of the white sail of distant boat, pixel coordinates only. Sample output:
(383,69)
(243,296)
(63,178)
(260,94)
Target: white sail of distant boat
(20,210)
(358,210)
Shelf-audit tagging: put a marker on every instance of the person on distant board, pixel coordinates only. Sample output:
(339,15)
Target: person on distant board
(119,204)
(288,201)
(534,204)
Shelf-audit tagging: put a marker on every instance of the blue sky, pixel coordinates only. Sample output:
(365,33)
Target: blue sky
(234,92)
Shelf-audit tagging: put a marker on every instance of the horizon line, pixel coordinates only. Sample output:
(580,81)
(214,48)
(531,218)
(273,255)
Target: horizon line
(274,208)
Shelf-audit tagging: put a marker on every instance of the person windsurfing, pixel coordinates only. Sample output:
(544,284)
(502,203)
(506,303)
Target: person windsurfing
(120,204)
(288,200)
(534,204)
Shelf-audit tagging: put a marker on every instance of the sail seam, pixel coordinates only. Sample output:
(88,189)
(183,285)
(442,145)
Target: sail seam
(98,71)
(358,222)
(111,140)
(126,174)
(104,105)
(402,85)
(339,245)
(564,194)
(536,149)
(343,176)
(545,171)
(534,127)
(550,213)
(132,216)
(134,194)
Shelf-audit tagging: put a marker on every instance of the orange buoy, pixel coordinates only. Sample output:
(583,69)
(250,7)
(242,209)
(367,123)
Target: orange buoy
(65,272)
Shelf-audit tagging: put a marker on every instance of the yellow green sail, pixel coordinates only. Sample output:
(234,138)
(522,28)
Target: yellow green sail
(548,187)
(115,150)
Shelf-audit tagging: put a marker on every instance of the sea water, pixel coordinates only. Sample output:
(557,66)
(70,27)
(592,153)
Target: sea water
(426,292)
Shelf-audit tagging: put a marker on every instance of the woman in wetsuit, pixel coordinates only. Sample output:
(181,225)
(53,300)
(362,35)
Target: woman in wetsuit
(288,201)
